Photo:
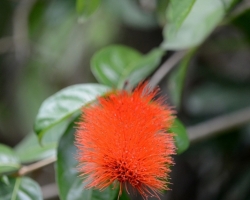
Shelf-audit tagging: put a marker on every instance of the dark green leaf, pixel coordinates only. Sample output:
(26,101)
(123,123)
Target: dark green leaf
(61,108)
(20,189)
(8,159)
(196,21)
(116,65)
(86,7)
(142,68)
(69,183)
(161,11)
(181,137)
(30,150)
(110,63)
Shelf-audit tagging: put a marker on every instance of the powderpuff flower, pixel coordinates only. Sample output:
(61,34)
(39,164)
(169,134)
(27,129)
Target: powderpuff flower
(123,138)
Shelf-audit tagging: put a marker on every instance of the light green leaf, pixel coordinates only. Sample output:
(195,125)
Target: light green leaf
(117,65)
(20,189)
(8,159)
(85,8)
(110,63)
(70,185)
(195,22)
(181,137)
(61,108)
(177,12)
(30,150)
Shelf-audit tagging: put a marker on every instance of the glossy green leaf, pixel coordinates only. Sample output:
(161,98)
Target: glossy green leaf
(117,65)
(141,69)
(181,137)
(69,183)
(8,159)
(20,189)
(109,64)
(61,108)
(196,21)
(30,150)
(87,7)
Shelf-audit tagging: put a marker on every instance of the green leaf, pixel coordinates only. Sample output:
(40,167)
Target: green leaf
(181,137)
(85,8)
(61,108)
(30,150)
(69,183)
(177,12)
(141,69)
(110,63)
(190,23)
(8,159)
(20,189)
(116,65)
(177,78)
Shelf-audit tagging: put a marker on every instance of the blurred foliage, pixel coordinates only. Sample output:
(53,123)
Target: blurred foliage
(47,45)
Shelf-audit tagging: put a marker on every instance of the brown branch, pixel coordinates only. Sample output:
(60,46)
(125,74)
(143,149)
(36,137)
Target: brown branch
(166,67)
(37,165)
(218,125)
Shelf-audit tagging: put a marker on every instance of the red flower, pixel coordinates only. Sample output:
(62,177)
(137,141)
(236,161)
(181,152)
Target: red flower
(123,138)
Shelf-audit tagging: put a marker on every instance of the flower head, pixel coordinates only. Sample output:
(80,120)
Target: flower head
(122,138)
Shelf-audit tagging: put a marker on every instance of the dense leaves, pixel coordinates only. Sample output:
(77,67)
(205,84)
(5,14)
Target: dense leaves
(20,189)
(69,183)
(8,159)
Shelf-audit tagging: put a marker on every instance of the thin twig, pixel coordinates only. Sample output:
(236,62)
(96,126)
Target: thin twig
(218,125)
(166,67)
(32,167)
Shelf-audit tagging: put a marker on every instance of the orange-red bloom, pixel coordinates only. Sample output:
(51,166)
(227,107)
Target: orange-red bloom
(123,138)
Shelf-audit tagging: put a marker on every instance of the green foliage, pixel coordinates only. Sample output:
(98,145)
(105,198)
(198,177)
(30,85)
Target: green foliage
(180,136)
(177,79)
(21,188)
(118,65)
(61,108)
(86,7)
(59,45)
(69,182)
(29,149)
(8,159)
(197,20)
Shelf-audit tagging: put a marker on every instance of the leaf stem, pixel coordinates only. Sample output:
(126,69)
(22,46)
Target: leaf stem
(166,67)
(37,165)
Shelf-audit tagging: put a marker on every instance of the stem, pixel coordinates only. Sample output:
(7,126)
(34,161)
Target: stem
(32,167)
(166,67)
(218,125)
